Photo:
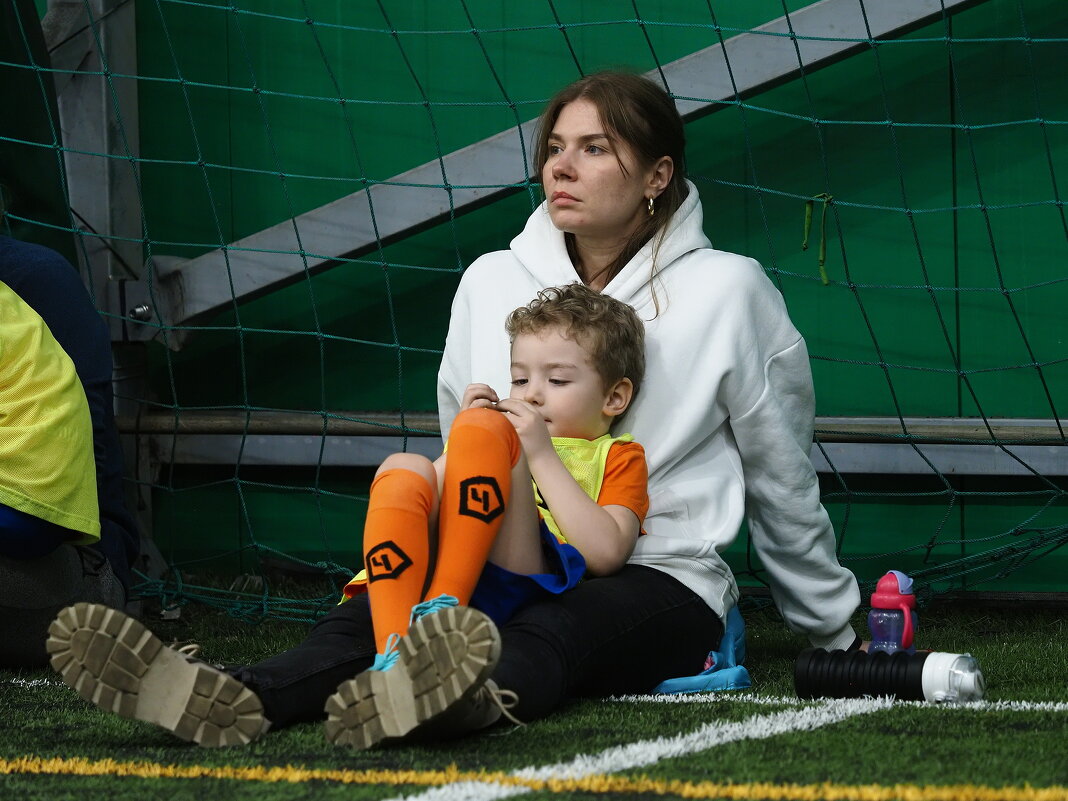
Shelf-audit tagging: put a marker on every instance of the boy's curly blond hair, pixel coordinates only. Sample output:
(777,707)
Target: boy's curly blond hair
(610,330)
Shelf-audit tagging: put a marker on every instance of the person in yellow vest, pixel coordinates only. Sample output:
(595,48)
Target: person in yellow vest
(48,493)
(532,493)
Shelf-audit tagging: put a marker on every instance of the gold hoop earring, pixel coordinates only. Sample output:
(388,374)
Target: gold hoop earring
(652,211)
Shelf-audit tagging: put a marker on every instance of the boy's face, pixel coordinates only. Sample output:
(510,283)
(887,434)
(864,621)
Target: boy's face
(554,374)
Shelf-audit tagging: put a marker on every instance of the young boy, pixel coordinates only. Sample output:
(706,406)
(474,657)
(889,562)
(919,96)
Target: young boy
(473,528)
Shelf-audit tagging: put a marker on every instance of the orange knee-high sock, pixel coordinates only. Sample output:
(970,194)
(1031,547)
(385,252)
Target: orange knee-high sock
(396,549)
(483,449)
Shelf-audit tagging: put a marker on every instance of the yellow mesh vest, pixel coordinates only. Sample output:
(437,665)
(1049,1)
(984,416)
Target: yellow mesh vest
(47,468)
(585,460)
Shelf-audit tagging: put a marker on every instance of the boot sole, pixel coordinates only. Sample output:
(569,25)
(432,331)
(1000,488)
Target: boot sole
(114,662)
(445,656)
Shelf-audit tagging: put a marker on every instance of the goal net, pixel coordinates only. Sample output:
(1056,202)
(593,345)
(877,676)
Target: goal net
(273,202)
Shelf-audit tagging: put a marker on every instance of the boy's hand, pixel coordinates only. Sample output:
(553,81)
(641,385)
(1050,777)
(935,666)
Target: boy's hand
(478,396)
(529,424)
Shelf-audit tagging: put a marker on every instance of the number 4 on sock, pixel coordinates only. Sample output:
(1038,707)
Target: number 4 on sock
(386,561)
(480,497)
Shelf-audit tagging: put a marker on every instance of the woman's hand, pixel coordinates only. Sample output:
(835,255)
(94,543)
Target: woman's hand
(478,396)
(530,425)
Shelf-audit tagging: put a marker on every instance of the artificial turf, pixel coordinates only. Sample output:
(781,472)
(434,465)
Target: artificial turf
(1023,652)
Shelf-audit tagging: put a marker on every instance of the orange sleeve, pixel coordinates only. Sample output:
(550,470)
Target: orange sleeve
(626,479)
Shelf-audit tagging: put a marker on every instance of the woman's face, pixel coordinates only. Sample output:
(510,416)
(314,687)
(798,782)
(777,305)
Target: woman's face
(589,193)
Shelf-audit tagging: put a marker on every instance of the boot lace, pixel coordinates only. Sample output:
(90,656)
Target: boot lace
(388,658)
(504,700)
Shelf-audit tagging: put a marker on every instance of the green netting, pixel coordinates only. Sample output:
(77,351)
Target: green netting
(905,200)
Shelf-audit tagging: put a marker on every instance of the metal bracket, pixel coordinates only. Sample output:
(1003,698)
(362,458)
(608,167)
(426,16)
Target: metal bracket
(93,49)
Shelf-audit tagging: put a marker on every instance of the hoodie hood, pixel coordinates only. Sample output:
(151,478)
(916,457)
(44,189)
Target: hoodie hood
(542,252)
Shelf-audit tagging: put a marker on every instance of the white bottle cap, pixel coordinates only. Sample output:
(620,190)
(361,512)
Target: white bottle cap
(952,678)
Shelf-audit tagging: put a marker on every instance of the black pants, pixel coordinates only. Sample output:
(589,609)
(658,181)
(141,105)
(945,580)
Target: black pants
(33,591)
(621,634)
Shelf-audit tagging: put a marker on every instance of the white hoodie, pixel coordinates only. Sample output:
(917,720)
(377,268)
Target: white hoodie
(725,412)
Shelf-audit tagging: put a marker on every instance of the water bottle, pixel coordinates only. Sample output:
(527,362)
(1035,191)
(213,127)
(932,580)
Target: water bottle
(925,676)
(892,620)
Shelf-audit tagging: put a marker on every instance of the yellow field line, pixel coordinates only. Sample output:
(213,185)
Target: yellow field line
(758,791)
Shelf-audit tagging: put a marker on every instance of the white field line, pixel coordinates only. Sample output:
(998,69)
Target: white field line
(710,698)
(647,752)
(782,700)
(746,698)
(995,706)
(21,682)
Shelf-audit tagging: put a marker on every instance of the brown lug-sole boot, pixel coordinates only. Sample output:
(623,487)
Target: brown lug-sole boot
(444,657)
(116,663)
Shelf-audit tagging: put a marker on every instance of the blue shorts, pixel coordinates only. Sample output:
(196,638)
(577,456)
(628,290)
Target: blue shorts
(23,536)
(501,593)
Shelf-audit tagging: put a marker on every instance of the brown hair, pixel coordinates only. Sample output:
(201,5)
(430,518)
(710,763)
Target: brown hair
(609,329)
(641,115)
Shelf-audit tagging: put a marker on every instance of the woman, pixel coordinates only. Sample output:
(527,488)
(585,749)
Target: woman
(725,415)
